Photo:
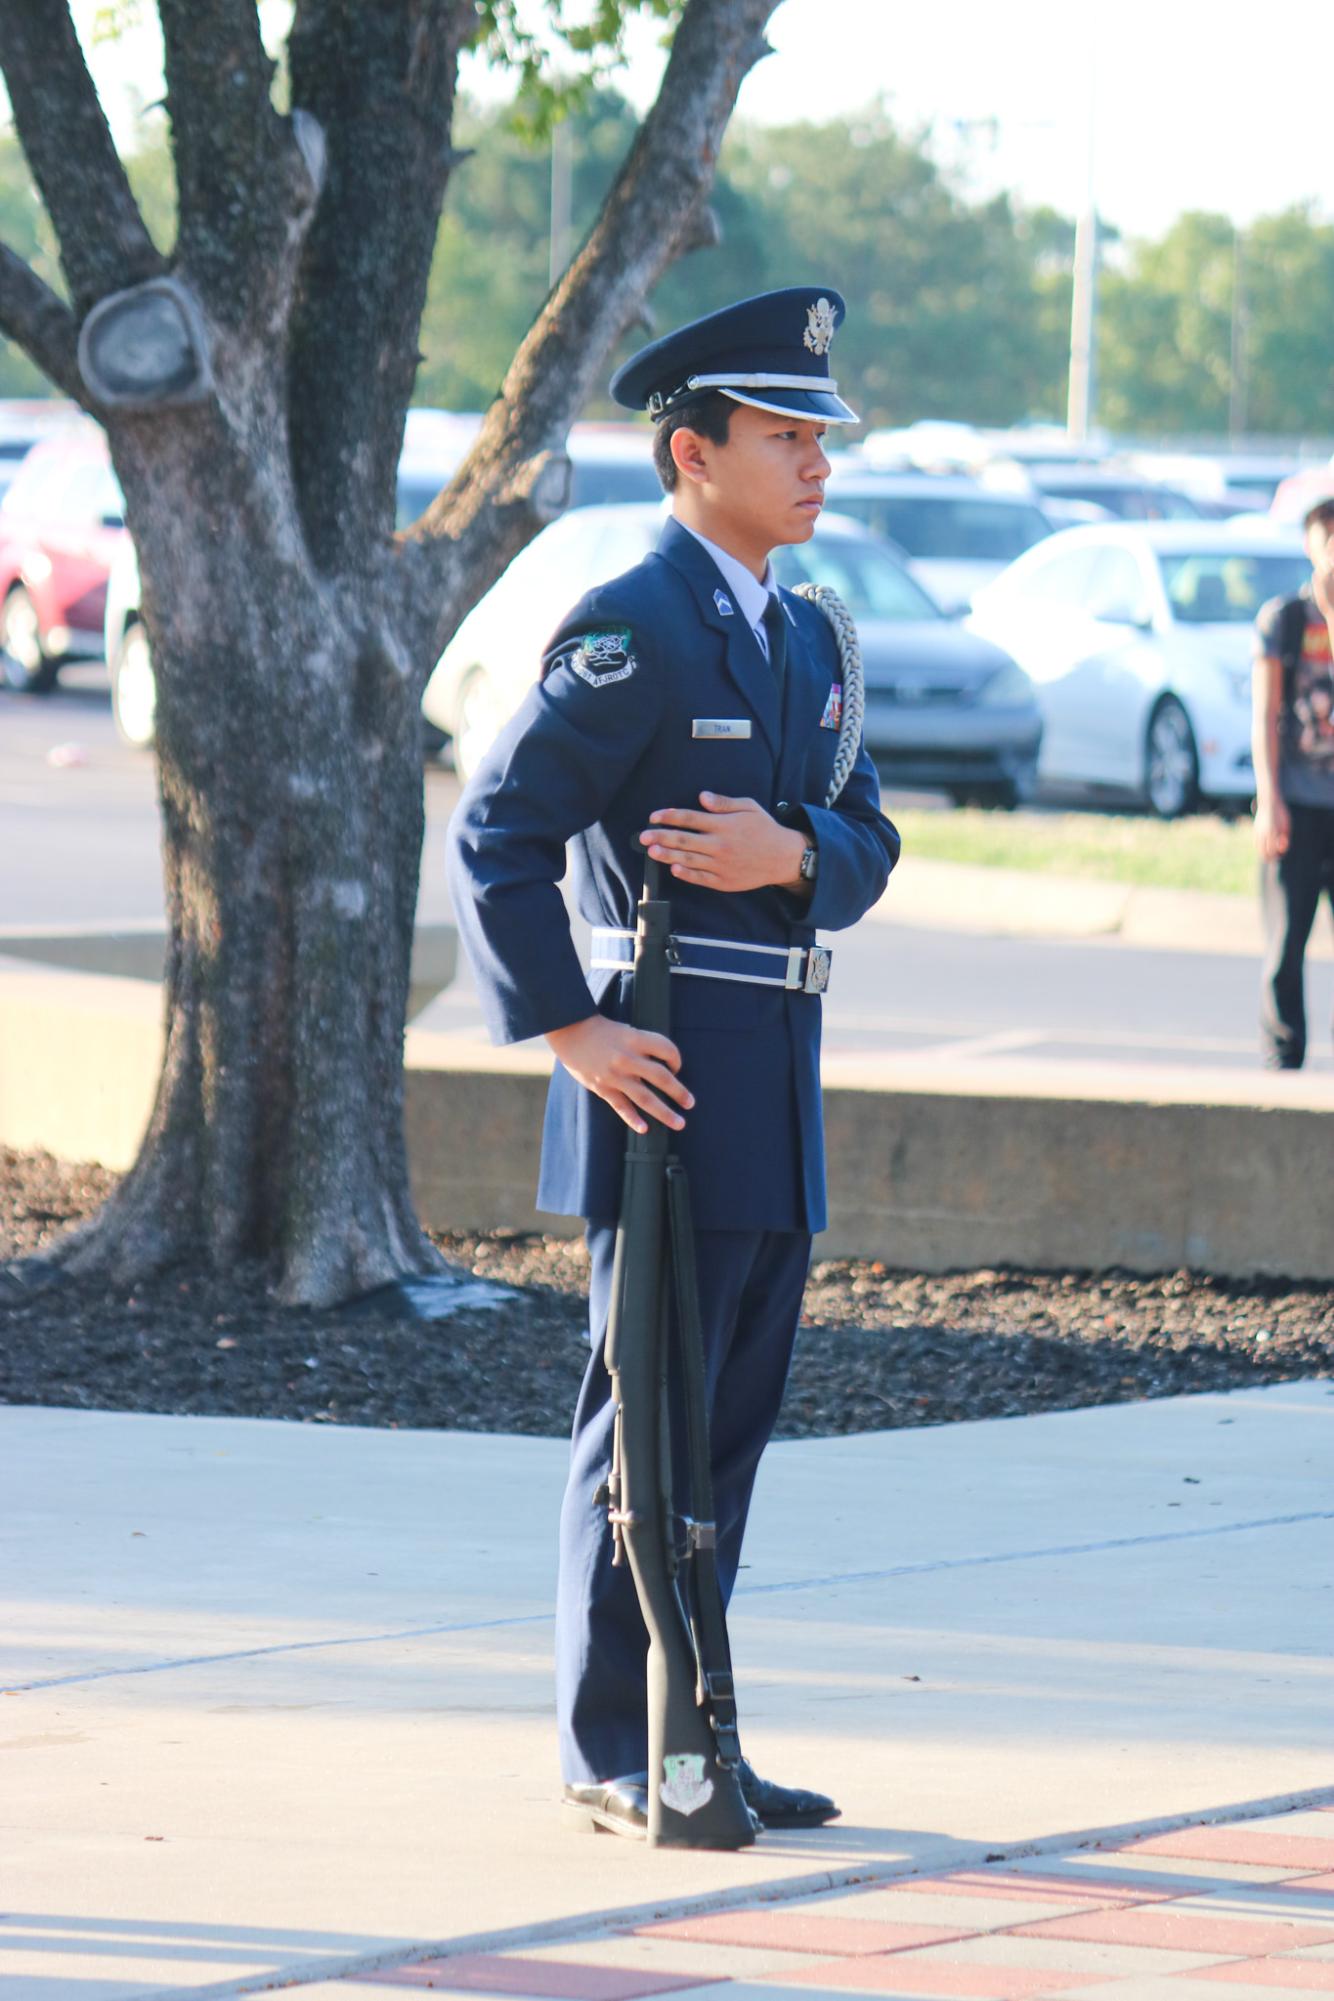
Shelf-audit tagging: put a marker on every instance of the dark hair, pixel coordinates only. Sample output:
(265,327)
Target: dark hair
(710,415)
(1320,516)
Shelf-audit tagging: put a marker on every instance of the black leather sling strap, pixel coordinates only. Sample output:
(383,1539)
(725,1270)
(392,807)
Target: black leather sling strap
(708,1619)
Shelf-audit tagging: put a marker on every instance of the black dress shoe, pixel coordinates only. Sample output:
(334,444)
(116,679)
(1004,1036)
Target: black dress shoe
(784,1806)
(616,1806)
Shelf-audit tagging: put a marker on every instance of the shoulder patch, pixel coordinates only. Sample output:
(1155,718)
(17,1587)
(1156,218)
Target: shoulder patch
(601,658)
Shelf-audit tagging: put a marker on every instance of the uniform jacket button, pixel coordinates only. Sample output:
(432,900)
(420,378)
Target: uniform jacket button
(783,807)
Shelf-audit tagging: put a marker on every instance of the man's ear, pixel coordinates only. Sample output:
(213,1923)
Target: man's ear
(688,454)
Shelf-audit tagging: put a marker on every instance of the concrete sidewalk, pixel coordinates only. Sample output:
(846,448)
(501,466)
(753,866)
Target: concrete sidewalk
(277,1698)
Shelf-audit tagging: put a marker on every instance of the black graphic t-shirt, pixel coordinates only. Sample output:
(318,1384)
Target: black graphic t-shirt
(1306,719)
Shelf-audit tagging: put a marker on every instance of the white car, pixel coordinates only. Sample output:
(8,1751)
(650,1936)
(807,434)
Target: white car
(1138,639)
(944,709)
(609,462)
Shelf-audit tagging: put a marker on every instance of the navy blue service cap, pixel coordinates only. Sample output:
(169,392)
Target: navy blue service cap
(771,351)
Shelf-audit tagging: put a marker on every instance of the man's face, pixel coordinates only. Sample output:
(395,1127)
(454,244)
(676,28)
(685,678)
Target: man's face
(765,486)
(1321,552)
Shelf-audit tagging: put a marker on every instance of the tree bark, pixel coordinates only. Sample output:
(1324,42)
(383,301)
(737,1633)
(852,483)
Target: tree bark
(291,636)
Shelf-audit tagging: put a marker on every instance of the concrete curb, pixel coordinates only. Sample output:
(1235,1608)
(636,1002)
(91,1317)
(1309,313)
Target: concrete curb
(1019,903)
(932,1167)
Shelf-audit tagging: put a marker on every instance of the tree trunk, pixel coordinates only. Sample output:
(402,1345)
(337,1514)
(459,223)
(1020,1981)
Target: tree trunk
(292,817)
(291,638)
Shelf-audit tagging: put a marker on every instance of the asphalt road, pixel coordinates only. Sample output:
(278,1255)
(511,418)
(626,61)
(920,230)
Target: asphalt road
(78,837)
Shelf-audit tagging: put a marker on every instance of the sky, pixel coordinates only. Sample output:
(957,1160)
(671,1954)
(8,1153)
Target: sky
(1190,103)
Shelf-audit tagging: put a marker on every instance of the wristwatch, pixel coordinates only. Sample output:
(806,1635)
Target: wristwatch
(810,862)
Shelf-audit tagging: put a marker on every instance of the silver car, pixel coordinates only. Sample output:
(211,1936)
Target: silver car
(955,534)
(944,709)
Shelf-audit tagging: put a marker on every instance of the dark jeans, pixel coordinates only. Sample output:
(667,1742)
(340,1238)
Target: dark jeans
(1289,898)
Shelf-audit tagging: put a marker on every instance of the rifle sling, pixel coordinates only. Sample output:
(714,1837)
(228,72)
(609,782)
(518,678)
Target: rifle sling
(708,1622)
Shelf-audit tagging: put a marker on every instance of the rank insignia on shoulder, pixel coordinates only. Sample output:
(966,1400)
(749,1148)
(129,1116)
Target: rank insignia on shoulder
(603,657)
(723,602)
(832,718)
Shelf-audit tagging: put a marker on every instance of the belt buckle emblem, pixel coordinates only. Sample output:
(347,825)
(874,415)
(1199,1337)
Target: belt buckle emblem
(817,969)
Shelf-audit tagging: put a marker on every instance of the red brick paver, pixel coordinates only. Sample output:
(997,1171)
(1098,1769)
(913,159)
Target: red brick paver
(1183,1931)
(505,1973)
(1028,1887)
(1311,1976)
(1298,1852)
(785,1930)
(909,1975)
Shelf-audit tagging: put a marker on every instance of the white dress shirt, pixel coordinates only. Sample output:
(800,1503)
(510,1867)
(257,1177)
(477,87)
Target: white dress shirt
(752,593)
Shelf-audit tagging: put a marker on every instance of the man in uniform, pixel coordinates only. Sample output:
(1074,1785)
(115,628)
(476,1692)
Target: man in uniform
(688,710)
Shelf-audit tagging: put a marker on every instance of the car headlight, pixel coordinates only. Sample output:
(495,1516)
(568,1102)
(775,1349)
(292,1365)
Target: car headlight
(1009,687)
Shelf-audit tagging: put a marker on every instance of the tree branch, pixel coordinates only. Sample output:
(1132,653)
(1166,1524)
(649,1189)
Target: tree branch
(41,324)
(233,153)
(380,81)
(469,534)
(68,145)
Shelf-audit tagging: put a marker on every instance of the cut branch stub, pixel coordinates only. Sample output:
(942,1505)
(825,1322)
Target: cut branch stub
(146,348)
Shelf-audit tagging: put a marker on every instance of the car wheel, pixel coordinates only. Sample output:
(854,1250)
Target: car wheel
(1171,761)
(134,690)
(1002,796)
(478,721)
(26,664)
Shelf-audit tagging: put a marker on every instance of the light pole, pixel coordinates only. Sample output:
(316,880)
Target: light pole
(1084,302)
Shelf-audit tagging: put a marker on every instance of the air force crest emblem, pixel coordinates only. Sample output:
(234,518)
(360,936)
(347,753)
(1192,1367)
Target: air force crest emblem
(723,602)
(603,657)
(684,1787)
(820,327)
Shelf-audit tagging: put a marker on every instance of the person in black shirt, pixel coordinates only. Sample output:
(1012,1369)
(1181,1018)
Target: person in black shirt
(1293,748)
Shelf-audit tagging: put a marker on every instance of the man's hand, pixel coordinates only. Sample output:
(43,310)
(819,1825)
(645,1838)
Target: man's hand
(634,1071)
(732,845)
(1273,829)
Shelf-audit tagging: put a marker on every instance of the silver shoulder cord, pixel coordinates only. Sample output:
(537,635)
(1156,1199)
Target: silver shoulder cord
(850,656)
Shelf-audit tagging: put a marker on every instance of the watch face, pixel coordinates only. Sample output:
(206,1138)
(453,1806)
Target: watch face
(808,864)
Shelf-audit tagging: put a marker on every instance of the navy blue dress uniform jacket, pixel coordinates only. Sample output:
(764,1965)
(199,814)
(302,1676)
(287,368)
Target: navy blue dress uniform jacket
(593,750)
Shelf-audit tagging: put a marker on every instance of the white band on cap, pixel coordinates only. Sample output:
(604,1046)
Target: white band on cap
(825,382)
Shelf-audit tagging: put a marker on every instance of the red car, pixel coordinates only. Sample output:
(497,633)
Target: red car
(61,523)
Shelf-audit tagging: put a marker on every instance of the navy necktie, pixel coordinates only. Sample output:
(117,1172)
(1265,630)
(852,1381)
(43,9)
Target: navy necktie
(775,631)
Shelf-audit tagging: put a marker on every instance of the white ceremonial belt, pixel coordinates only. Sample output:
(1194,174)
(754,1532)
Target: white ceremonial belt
(804,970)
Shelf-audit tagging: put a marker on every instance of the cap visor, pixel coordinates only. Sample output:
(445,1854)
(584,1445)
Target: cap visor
(813,406)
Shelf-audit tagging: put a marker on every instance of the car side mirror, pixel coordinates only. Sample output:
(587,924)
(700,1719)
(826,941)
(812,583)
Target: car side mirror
(1121,613)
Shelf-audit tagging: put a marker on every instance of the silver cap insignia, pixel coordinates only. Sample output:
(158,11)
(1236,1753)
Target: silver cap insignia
(820,327)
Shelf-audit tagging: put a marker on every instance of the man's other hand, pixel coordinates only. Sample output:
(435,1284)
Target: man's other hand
(635,1072)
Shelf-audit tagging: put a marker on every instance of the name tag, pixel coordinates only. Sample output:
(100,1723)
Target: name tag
(733,729)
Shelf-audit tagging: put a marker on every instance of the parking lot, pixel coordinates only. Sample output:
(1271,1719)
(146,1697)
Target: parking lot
(78,827)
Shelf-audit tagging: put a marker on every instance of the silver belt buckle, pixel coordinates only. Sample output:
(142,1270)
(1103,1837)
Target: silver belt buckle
(817,969)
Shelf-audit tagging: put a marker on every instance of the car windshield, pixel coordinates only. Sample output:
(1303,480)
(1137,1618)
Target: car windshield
(870,583)
(937,527)
(1130,503)
(607,482)
(1217,587)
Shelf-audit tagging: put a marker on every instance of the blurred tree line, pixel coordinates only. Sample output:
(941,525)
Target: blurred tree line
(956,308)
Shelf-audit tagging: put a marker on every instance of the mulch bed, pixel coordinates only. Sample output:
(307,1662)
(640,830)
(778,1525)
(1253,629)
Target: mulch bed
(878,1348)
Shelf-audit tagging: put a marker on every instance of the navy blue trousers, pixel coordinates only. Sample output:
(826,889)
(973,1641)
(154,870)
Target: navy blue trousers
(751,1283)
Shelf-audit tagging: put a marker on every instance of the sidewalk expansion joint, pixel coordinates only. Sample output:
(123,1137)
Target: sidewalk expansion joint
(747,1590)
